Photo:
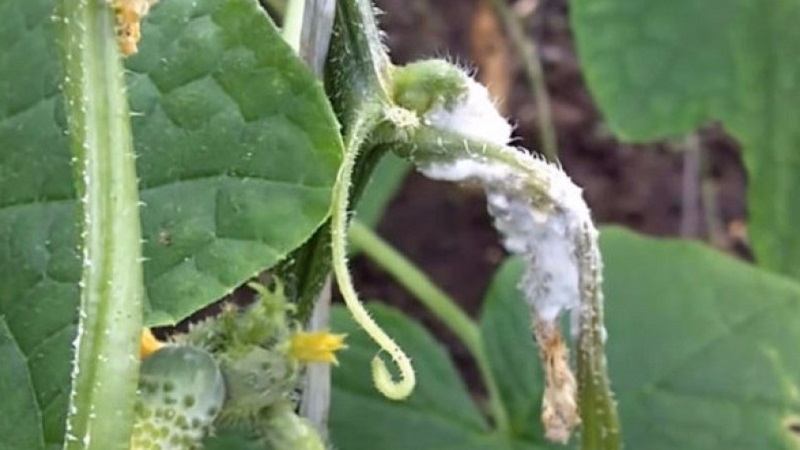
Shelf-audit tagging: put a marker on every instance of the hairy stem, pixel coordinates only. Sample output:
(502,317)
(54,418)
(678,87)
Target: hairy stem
(382,378)
(438,302)
(601,426)
(105,371)
(690,186)
(416,282)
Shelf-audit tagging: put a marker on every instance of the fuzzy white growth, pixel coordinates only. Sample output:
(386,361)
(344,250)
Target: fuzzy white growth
(536,207)
(469,116)
(542,216)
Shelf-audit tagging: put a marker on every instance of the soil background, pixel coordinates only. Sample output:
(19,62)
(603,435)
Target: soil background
(445,229)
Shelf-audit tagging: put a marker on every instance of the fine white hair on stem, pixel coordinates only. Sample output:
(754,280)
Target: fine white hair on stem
(382,377)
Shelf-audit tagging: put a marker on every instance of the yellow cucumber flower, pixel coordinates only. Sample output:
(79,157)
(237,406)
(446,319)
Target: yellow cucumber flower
(148,344)
(316,346)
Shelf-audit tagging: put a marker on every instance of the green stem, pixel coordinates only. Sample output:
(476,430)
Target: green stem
(529,53)
(416,282)
(438,302)
(105,371)
(384,382)
(600,420)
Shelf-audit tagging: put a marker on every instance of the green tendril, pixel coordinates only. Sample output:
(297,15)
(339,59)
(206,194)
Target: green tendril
(384,382)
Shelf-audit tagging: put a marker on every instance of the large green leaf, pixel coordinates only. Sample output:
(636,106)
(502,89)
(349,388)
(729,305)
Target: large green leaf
(22,428)
(438,415)
(238,150)
(662,68)
(702,348)
(702,352)
(39,269)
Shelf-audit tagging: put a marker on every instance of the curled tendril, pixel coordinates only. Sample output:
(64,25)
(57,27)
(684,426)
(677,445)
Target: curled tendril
(382,377)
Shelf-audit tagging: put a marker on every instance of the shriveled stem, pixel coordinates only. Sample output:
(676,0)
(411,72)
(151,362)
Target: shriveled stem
(543,217)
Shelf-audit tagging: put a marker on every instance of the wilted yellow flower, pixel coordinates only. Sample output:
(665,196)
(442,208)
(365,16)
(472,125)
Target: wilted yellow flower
(128,15)
(148,343)
(319,346)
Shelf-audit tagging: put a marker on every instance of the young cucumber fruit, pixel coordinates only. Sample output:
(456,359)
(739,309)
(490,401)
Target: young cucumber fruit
(181,391)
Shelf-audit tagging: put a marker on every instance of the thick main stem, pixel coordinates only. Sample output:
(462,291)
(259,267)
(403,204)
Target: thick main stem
(105,371)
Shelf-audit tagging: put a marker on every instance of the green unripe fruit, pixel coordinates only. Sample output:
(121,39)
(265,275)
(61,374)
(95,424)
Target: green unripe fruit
(282,429)
(181,391)
(256,380)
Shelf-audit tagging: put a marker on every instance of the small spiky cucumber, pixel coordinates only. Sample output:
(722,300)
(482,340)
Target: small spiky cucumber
(282,429)
(181,391)
(256,380)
